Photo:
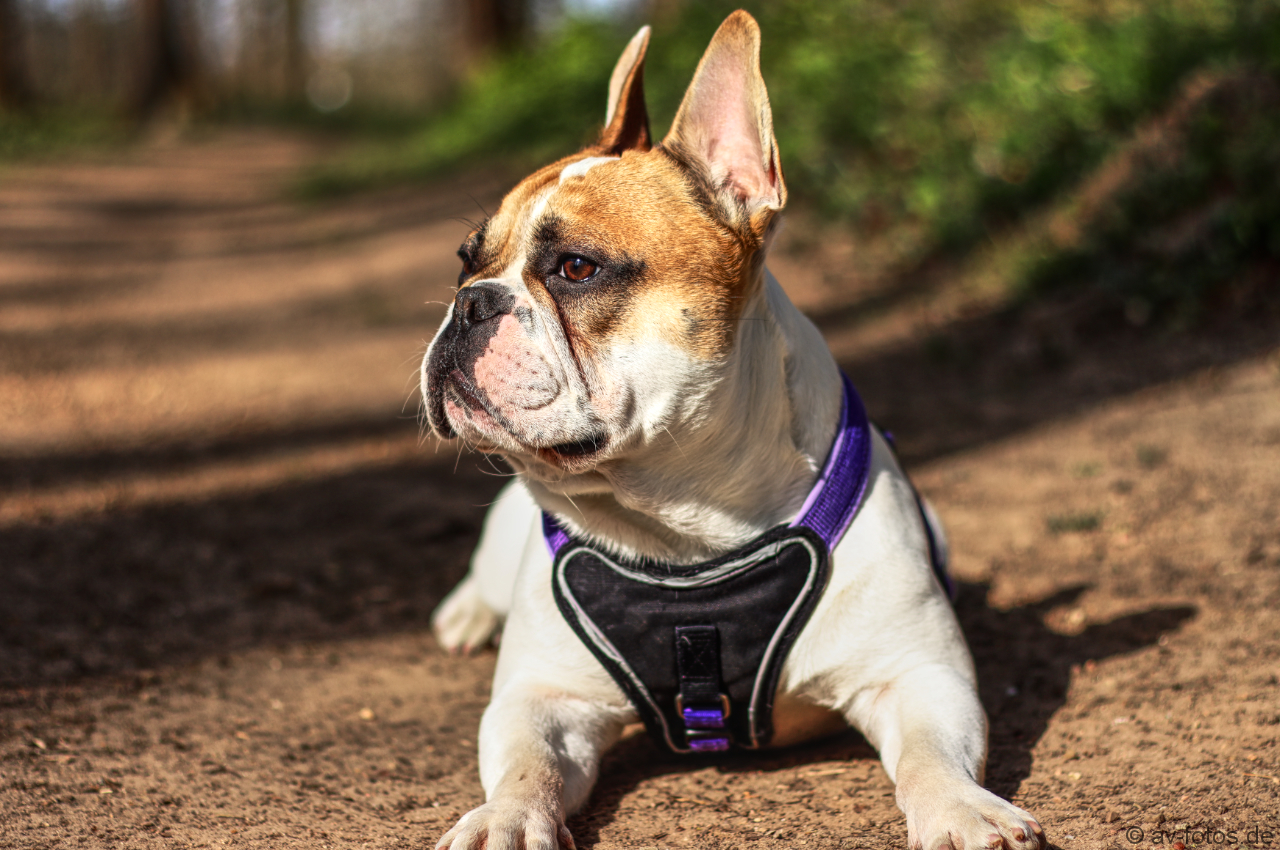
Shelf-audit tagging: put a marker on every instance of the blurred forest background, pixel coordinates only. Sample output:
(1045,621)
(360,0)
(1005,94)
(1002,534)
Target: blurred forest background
(1128,148)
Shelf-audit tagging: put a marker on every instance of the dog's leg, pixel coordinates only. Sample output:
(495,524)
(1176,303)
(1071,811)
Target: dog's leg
(463,623)
(473,611)
(554,711)
(931,733)
(539,753)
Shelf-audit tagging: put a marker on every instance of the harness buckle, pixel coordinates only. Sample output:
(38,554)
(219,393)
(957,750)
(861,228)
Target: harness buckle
(697,718)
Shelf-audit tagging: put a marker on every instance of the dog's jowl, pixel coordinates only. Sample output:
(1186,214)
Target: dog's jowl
(705,534)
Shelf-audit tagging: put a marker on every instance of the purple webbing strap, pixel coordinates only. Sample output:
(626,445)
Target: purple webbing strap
(835,496)
(709,745)
(703,718)
(554,534)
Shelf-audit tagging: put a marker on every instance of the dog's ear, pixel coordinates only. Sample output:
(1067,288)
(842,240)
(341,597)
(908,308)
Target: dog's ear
(725,125)
(626,122)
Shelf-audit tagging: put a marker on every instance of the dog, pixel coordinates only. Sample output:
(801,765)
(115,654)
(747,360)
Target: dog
(704,532)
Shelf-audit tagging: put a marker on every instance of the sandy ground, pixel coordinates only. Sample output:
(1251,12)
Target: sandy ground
(221,537)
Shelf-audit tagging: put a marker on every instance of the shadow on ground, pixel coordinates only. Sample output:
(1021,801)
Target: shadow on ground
(360,553)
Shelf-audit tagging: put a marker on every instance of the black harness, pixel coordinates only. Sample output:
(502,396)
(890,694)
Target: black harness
(698,649)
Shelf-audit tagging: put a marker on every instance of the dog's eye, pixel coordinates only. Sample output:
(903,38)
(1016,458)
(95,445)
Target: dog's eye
(468,267)
(577,269)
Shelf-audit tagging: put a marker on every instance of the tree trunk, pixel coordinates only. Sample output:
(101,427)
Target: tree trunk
(493,25)
(15,90)
(295,50)
(167,69)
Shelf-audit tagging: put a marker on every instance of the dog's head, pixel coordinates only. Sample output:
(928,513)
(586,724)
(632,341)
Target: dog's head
(599,303)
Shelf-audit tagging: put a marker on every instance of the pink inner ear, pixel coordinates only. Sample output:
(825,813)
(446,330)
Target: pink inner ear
(729,131)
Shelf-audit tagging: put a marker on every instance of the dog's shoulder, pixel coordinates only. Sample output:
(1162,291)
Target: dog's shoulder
(884,605)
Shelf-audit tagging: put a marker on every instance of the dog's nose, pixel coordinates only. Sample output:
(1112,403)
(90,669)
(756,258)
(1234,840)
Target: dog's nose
(479,303)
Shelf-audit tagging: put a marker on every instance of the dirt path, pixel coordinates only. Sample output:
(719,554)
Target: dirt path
(220,539)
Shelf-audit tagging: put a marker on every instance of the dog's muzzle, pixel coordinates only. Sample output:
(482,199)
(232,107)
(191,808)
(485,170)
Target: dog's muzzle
(477,311)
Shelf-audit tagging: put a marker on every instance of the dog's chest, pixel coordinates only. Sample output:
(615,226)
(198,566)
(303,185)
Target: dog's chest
(698,649)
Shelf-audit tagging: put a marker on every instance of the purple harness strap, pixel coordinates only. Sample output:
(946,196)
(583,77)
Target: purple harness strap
(836,494)
(555,535)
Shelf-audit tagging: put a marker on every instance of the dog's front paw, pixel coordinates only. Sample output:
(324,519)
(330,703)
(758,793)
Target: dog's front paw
(973,819)
(507,825)
(464,622)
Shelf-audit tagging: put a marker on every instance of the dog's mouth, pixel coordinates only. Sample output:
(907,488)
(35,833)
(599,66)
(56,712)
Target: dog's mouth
(569,454)
(463,391)
(576,451)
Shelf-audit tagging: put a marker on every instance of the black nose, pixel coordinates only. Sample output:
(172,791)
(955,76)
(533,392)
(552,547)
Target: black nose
(479,303)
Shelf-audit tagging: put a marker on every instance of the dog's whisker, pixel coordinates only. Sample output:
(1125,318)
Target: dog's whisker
(480,205)
(575,505)
(675,441)
(497,473)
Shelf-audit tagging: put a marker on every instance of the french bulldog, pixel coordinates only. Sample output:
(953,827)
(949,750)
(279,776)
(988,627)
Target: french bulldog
(673,421)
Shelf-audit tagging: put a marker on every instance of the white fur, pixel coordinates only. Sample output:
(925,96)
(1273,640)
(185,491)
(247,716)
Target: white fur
(582,166)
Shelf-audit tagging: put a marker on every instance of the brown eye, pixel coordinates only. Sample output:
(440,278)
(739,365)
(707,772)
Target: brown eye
(468,267)
(577,269)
